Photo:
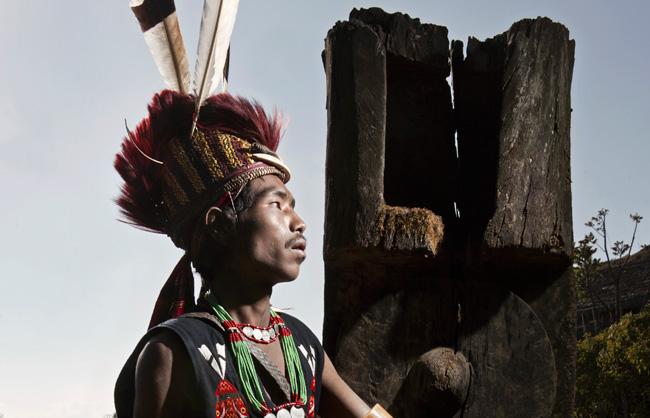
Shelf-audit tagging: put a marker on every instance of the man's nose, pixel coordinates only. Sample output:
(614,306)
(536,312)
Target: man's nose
(298,224)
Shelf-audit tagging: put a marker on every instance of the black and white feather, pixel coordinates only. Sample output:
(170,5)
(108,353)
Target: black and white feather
(214,41)
(159,24)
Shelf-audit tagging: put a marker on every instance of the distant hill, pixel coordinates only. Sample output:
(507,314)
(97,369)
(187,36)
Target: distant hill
(634,292)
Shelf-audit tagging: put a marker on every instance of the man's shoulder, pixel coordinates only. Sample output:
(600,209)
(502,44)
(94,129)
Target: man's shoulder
(163,351)
(161,348)
(195,318)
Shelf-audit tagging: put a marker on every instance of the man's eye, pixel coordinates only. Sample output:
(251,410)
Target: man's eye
(277,204)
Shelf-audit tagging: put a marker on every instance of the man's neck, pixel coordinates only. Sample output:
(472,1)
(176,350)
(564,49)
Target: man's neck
(248,305)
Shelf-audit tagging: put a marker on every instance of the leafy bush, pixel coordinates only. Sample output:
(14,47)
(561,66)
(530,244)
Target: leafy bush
(613,370)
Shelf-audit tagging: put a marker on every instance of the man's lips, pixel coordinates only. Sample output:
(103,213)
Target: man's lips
(297,243)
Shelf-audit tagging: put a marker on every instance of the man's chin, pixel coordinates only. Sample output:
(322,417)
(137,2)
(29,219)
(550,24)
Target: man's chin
(288,278)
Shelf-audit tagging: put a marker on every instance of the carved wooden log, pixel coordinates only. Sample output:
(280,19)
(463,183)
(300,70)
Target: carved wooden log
(512,97)
(394,291)
(376,226)
(392,354)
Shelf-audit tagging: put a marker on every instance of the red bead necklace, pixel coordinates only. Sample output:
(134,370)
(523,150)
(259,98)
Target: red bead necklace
(262,335)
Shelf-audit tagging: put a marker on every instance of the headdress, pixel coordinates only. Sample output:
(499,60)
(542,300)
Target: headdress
(191,150)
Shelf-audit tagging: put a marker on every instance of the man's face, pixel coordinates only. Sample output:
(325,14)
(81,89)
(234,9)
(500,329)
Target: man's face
(270,233)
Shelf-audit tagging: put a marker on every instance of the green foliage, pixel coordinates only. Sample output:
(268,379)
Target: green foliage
(585,266)
(613,370)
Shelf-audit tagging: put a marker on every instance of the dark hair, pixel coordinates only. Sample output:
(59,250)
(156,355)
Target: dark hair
(211,251)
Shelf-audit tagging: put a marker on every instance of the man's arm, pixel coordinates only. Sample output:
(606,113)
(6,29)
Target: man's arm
(163,378)
(337,399)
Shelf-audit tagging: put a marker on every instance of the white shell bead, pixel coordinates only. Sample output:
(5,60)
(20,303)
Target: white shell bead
(257,334)
(248,331)
(297,412)
(283,413)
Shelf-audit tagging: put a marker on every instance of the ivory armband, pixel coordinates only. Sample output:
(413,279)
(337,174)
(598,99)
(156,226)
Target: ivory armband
(377,412)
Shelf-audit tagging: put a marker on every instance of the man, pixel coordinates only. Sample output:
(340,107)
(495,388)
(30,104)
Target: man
(219,192)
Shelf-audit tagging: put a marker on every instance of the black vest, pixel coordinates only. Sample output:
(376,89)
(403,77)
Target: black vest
(220,393)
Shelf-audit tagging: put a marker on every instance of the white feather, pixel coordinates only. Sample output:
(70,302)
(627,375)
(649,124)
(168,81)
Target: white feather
(166,45)
(214,40)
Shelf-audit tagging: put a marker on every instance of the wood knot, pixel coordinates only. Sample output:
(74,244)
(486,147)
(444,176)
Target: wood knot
(438,384)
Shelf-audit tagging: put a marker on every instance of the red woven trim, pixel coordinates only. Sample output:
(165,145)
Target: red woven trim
(177,295)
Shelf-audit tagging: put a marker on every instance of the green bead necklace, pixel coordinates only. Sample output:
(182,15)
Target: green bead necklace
(246,369)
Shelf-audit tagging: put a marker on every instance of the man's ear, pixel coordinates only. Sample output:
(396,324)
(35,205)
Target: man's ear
(220,224)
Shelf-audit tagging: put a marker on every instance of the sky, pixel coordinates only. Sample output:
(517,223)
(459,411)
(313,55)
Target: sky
(77,287)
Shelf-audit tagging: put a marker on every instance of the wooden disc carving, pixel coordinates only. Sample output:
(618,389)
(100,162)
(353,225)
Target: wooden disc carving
(511,357)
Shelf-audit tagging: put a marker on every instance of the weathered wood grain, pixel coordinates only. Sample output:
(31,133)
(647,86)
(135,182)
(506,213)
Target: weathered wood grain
(512,95)
(513,370)
(400,265)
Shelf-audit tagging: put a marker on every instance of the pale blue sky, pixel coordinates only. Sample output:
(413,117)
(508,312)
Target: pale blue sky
(77,287)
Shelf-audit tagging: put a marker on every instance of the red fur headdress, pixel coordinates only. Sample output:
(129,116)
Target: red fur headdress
(171,176)
(142,199)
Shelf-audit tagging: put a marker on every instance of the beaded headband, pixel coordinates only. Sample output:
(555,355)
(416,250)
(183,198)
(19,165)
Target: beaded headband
(206,167)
